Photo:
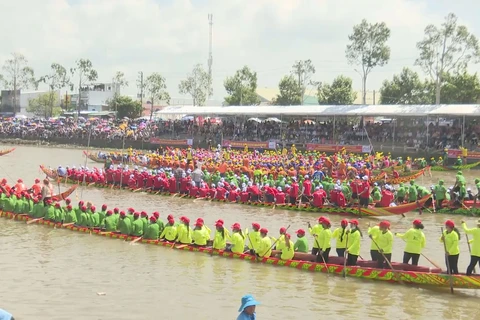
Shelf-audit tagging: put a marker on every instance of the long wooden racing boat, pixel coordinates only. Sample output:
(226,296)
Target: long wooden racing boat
(354,210)
(401,179)
(452,168)
(95,158)
(65,194)
(7,151)
(404,274)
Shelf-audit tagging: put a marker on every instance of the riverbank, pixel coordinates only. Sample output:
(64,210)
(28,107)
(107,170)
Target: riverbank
(82,143)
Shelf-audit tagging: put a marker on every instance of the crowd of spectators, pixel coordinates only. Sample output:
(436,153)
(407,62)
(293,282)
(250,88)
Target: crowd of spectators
(403,132)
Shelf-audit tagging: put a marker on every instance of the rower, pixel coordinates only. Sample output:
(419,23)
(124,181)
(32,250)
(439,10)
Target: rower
(440,194)
(315,232)
(353,243)
(184,232)
(301,245)
(475,252)
(265,244)
(415,242)
(450,237)
(238,240)
(169,233)
(324,240)
(384,241)
(221,236)
(110,222)
(373,233)
(281,240)
(254,238)
(124,224)
(340,236)
(199,235)
(137,225)
(288,250)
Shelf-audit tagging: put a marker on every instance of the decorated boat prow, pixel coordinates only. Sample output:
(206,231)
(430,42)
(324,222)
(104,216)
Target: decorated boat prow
(7,151)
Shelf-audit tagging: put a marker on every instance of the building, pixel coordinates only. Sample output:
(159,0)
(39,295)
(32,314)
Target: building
(267,95)
(95,96)
(25,98)
(9,101)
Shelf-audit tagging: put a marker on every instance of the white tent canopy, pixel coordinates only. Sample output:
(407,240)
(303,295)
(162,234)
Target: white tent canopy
(340,110)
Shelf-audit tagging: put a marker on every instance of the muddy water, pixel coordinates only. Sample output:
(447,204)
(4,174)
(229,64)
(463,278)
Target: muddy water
(56,274)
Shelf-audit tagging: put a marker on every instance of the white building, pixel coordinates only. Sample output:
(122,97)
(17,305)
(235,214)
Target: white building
(94,97)
(25,97)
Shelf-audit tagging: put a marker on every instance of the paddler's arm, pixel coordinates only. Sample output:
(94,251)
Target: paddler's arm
(468,231)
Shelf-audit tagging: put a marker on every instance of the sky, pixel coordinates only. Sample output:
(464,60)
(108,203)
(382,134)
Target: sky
(171,36)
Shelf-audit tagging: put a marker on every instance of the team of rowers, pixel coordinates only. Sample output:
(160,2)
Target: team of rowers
(347,236)
(317,190)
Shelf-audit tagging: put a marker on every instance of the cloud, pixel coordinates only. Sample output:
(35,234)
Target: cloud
(171,36)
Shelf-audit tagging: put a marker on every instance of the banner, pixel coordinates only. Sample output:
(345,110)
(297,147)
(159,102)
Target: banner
(337,148)
(185,142)
(454,153)
(249,144)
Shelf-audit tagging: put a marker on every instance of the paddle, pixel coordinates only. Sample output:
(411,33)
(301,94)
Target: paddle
(34,220)
(448,263)
(68,224)
(136,240)
(273,245)
(199,199)
(469,249)
(321,255)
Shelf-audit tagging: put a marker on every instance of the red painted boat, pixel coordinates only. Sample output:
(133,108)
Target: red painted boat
(404,274)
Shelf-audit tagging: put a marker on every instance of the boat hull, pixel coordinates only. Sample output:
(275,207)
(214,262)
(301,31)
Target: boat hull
(4,152)
(387,275)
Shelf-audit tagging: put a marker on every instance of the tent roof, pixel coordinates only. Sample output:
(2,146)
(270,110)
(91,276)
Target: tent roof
(340,110)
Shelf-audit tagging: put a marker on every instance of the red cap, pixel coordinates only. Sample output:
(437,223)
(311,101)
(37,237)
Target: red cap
(300,231)
(153,219)
(450,224)
(143,214)
(19,180)
(417,222)
(354,221)
(170,216)
(326,221)
(84,208)
(385,224)
(37,180)
(109,212)
(283,230)
(27,195)
(185,219)
(92,208)
(344,222)
(136,215)
(171,220)
(218,224)
(104,207)
(264,230)
(57,205)
(122,214)
(80,203)
(68,201)
(219,221)
(199,224)
(116,210)
(321,218)
(287,235)
(35,200)
(236,226)
(69,207)
(131,210)
(200,220)
(156,214)
(255,225)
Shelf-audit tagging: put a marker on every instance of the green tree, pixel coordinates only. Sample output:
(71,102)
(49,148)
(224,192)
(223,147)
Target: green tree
(83,69)
(156,88)
(56,80)
(241,88)
(303,70)
(445,50)
(461,88)
(197,85)
(17,75)
(289,92)
(45,106)
(126,107)
(340,92)
(405,88)
(368,49)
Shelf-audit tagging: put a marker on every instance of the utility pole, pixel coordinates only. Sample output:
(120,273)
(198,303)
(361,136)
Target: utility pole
(210,56)
(141,88)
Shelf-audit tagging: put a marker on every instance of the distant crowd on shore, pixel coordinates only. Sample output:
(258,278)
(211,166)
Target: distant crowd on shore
(412,133)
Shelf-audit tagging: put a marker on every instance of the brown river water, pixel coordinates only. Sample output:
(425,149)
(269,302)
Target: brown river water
(48,274)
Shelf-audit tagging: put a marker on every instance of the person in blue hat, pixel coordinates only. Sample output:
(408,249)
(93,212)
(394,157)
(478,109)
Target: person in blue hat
(247,308)
(4,315)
